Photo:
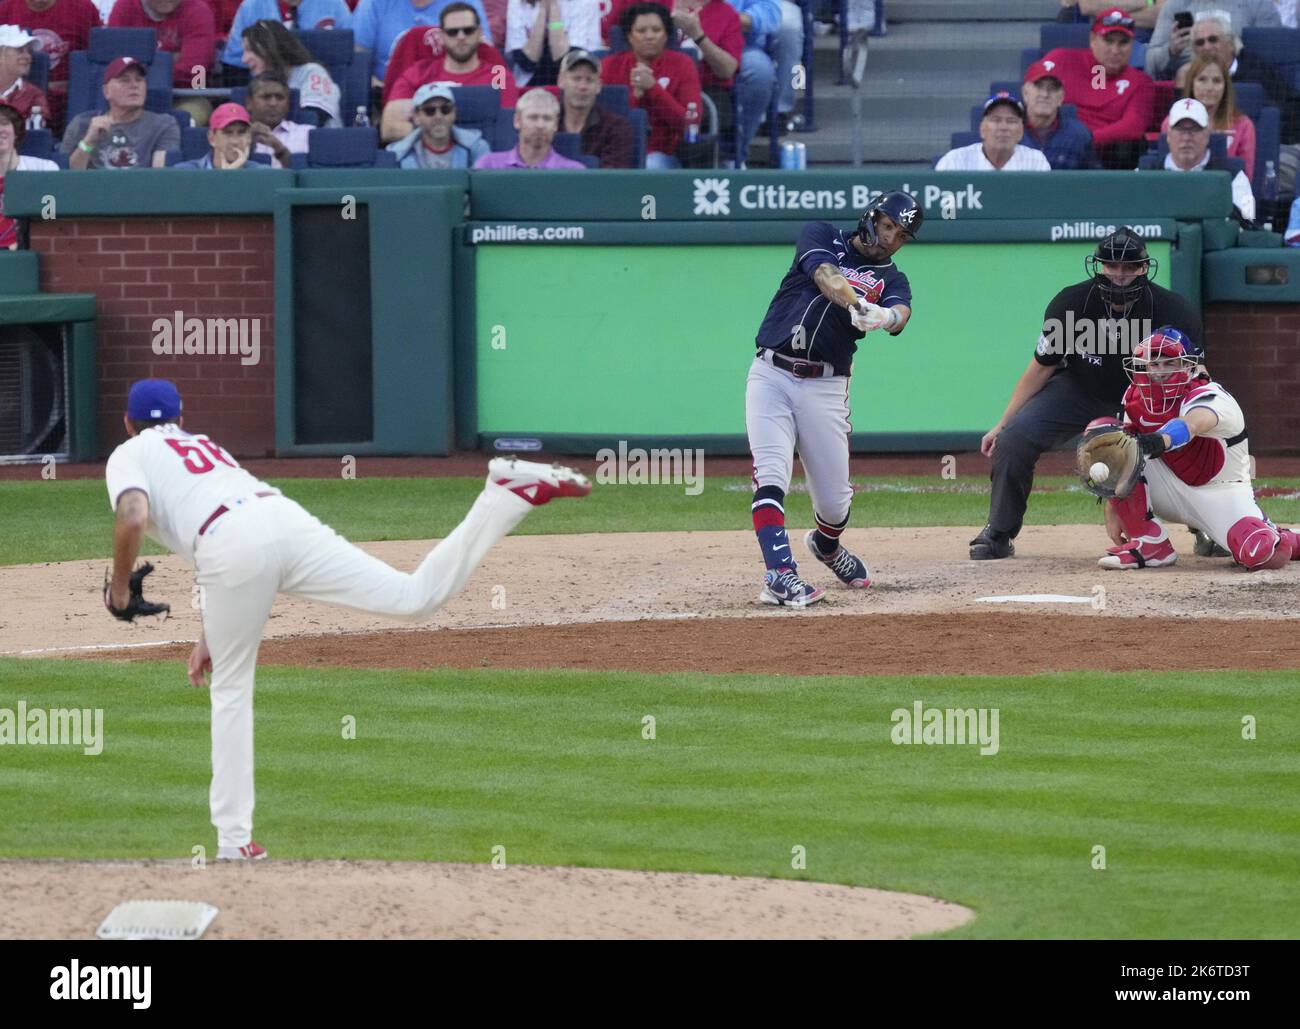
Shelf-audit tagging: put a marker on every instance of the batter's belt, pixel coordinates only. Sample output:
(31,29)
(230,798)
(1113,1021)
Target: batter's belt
(799,369)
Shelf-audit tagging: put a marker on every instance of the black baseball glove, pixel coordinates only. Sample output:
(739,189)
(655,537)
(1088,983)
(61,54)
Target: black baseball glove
(136,604)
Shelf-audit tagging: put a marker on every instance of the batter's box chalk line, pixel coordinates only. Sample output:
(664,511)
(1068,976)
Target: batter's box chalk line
(898,487)
(1034,598)
(157,920)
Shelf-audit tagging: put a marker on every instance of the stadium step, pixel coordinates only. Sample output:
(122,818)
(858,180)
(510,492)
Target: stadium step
(922,49)
(921,81)
(968,10)
(893,143)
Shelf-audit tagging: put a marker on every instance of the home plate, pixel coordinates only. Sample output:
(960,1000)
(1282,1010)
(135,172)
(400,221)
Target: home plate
(1035,598)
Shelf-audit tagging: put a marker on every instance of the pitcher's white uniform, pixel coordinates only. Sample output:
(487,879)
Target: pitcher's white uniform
(247,542)
(1205,484)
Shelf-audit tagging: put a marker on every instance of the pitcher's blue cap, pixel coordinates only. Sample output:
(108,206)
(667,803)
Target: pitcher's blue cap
(150,399)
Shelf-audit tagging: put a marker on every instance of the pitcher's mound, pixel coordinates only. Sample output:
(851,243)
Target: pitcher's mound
(415,900)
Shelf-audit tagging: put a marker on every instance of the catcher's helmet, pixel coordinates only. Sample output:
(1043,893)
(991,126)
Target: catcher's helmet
(1163,368)
(1123,246)
(900,206)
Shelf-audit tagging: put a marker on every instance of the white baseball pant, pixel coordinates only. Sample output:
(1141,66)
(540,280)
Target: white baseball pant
(1214,509)
(261,547)
(782,413)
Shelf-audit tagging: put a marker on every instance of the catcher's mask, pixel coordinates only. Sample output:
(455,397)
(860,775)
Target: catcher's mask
(1123,246)
(900,206)
(1163,368)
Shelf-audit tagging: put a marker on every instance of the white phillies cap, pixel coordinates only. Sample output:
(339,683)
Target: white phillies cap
(1189,108)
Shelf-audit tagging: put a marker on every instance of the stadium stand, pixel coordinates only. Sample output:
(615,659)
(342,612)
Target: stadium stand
(347,148)
(86,69)
(335,50)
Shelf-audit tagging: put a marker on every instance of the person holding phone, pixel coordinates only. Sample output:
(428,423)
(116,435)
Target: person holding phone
(1171,41)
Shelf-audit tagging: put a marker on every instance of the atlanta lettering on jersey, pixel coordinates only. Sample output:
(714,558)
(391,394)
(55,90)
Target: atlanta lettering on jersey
(801,322)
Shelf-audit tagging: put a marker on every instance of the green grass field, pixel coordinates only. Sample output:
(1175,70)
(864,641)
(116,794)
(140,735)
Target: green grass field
(1200,826)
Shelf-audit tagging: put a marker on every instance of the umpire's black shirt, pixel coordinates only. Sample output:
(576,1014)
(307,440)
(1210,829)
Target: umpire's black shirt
(1092,339)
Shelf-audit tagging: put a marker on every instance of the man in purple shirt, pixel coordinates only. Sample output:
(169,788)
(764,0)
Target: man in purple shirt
(537,118)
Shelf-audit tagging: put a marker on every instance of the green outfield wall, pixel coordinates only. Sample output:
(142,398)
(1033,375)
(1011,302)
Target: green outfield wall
(674,362)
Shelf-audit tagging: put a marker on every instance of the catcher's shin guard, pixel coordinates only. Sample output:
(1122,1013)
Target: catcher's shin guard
(1136,517)
(1256,545)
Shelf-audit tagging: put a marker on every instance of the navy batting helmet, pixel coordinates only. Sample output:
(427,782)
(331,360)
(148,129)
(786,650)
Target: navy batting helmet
(900,206)
(1123,246)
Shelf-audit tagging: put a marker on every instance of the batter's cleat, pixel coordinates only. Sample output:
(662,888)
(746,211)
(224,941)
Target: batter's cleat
(537,483)
(1141,553)
(991,545)
(251,851)
(784,588)
(1204,546)
(848,568)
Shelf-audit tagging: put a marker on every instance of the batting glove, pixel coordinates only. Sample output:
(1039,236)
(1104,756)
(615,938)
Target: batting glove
(868,316)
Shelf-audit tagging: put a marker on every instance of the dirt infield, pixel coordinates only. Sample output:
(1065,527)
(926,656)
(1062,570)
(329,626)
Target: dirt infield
(679,601)
(413,900)
(650,602)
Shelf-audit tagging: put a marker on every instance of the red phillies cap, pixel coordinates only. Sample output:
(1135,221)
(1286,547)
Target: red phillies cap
(227,113)
(1042,70)
(1113,19)
(120,65)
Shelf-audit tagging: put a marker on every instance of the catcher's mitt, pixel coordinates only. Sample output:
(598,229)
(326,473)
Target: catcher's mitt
(1106,441)
(136,604)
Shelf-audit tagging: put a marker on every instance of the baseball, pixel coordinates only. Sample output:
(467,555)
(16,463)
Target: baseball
(1099,472)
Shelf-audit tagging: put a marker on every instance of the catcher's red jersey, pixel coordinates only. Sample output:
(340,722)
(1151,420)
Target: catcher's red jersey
(1220,455)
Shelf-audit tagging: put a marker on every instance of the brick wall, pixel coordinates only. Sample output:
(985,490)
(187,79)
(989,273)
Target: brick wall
(1254,350)
(142,269)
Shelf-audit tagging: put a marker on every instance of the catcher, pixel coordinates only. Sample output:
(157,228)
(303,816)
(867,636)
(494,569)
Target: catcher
(1181,455)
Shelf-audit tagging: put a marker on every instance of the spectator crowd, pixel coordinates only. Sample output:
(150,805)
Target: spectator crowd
(688,65)
(1161,85)
(1182,110)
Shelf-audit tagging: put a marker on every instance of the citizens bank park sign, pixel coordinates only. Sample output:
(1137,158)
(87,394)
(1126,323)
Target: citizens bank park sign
(742,198)
(716,197)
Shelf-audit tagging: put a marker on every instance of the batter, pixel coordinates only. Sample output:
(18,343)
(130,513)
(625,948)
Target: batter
(839,288)
(247,543)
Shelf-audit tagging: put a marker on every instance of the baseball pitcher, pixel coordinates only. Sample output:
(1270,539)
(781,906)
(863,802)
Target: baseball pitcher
(247,543)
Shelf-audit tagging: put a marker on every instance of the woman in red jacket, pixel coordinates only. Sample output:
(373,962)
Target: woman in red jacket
(662,81)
